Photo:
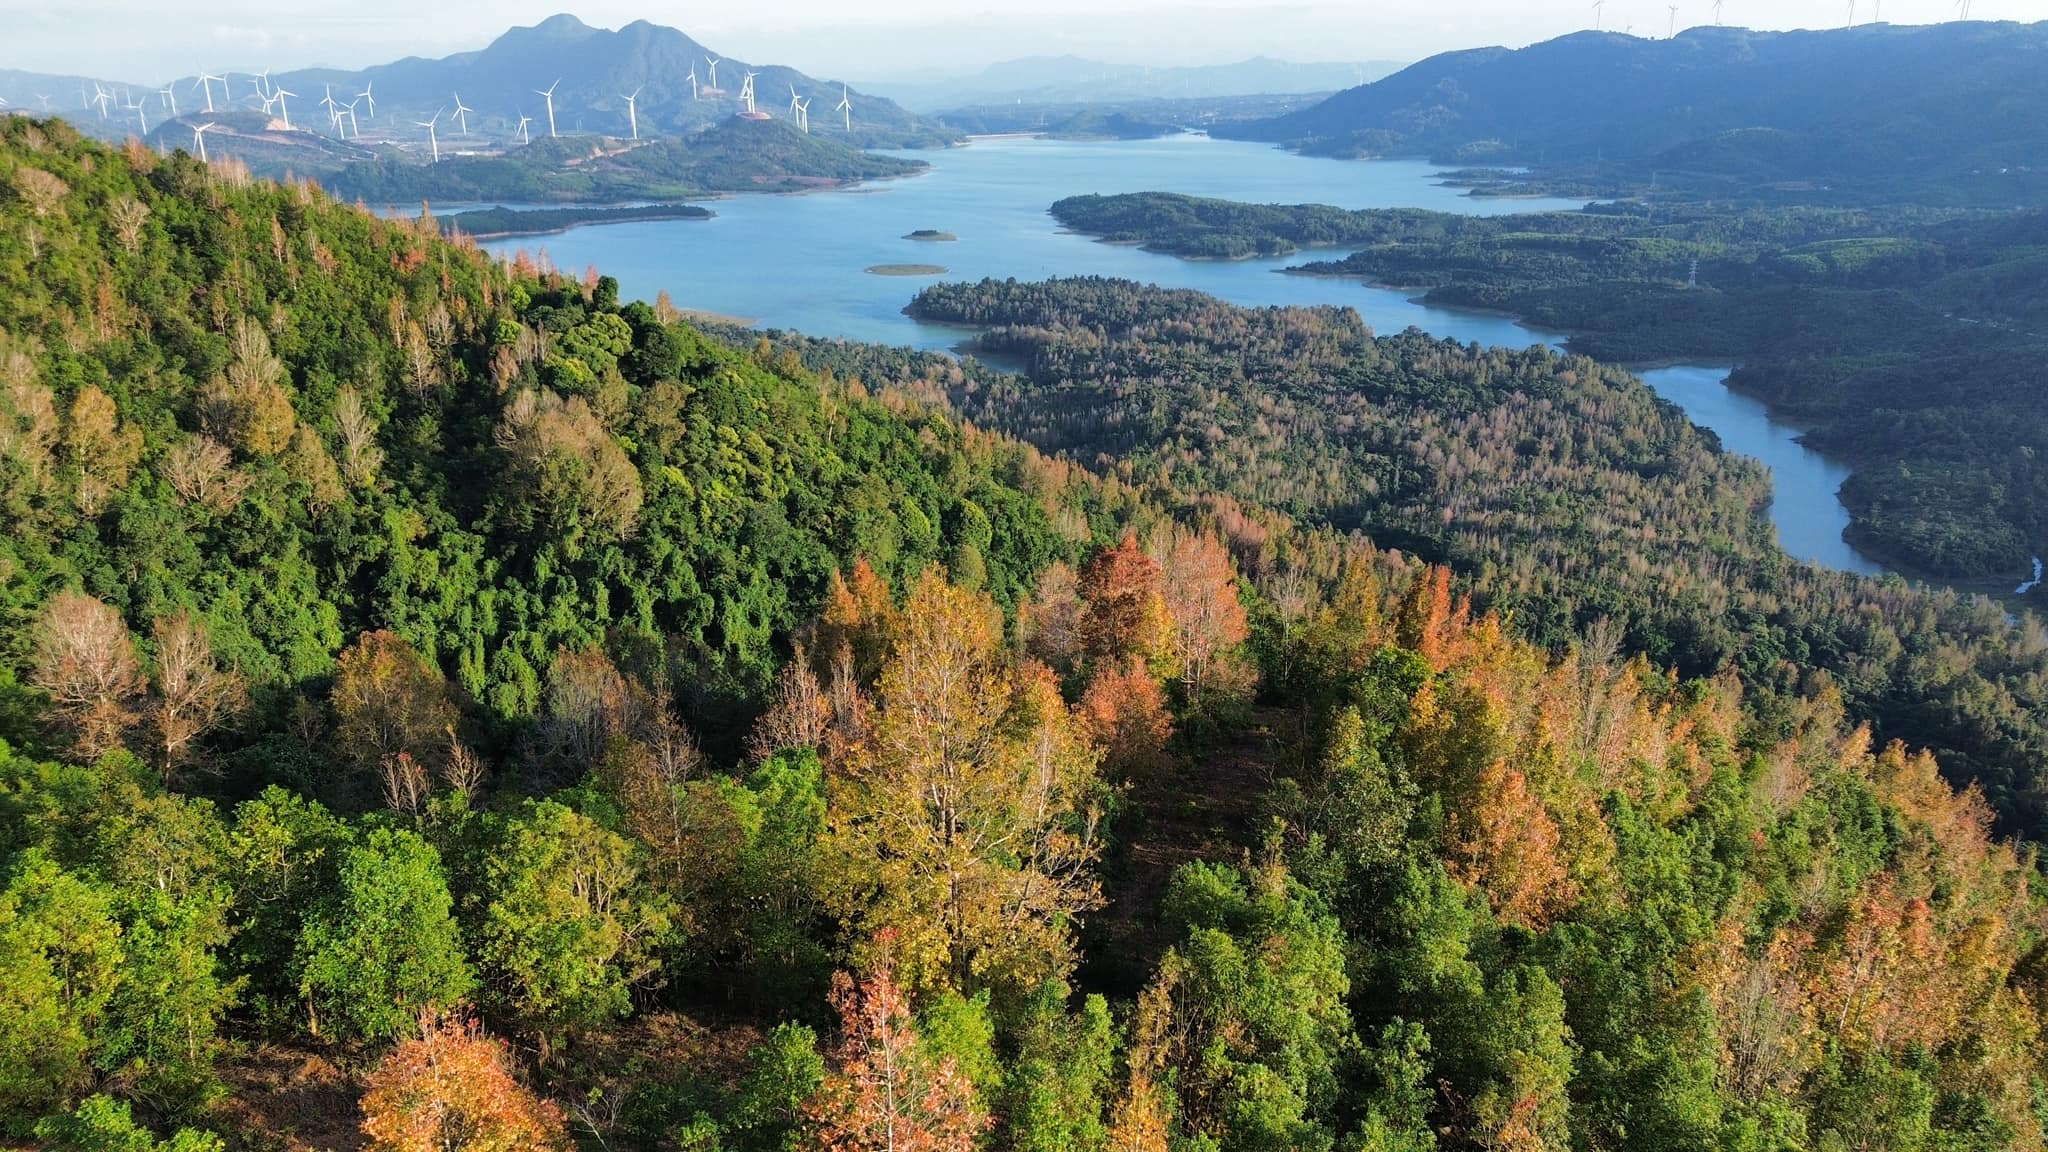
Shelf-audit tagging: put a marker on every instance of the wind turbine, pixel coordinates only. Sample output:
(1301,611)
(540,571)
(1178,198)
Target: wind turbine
(694,93)
(432,139)
(796,104)
(1672,32)
(1852,14)
(1963,7)
(747,92)
(715,62)
(205,85)
(45,102)
(633,109)
(142,112)
(365,95)
(549,96)
(846,106)
(349,110)
(462,114)
(170,98)
(803,116)
(1717,13)
(524,137)
(327,102)
(283,109)
(100,96)
(199,132)
(1599,13)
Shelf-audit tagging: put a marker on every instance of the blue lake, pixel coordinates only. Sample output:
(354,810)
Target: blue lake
(799,262)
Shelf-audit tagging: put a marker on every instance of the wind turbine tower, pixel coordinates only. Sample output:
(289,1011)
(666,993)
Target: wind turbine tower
(633,109)
(433,141)
(1672,32)
(1599,14)
(1717,13)
(549,96)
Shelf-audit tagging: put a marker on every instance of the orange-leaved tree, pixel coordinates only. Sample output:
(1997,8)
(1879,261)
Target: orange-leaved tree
(453,1087)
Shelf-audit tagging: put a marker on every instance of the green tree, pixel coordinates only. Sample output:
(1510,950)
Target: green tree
(568,924)
(60,966)
(104,1124)
(382,945)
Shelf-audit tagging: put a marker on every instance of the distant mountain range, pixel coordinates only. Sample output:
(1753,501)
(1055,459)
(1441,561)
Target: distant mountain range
(1949,103)
(1073,80)
(592,72)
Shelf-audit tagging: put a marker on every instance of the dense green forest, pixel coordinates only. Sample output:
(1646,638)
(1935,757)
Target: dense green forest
(1907,340)
(1945,113)
(1566,490)
(443,705)
(734,156)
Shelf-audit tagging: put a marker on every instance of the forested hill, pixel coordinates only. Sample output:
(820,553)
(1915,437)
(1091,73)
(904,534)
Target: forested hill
(1564,487)
(445,706)
(1956,110)
(734,156)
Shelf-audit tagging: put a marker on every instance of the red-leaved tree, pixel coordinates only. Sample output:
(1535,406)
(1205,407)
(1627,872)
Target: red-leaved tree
(885,1092)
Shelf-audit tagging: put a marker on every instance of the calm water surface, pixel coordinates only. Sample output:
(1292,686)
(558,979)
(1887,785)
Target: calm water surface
(799,262)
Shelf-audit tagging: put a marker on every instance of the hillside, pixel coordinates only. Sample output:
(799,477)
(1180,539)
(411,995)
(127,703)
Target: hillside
(1952,111)
(1565,490)
(1901,339)
(734,156)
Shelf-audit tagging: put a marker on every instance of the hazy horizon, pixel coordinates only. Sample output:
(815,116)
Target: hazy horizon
(894,40)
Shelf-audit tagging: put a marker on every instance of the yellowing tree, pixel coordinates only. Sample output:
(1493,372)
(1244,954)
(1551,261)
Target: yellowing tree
(961,820)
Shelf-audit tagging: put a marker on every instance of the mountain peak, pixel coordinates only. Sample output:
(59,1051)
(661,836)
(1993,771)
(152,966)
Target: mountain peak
(563,26)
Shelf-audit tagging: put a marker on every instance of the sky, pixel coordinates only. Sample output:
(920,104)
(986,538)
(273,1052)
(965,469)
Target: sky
(152,40)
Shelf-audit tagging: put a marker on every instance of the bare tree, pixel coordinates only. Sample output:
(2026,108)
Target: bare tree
(86,661)
(129,215)
(360,455)
(406,784)
(465,770)
(800,715)
(194,694)
(201,471)
(43,193)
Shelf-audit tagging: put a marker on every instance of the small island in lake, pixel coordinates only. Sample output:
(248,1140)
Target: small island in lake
(906,270)
(494,223)
(931,236)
